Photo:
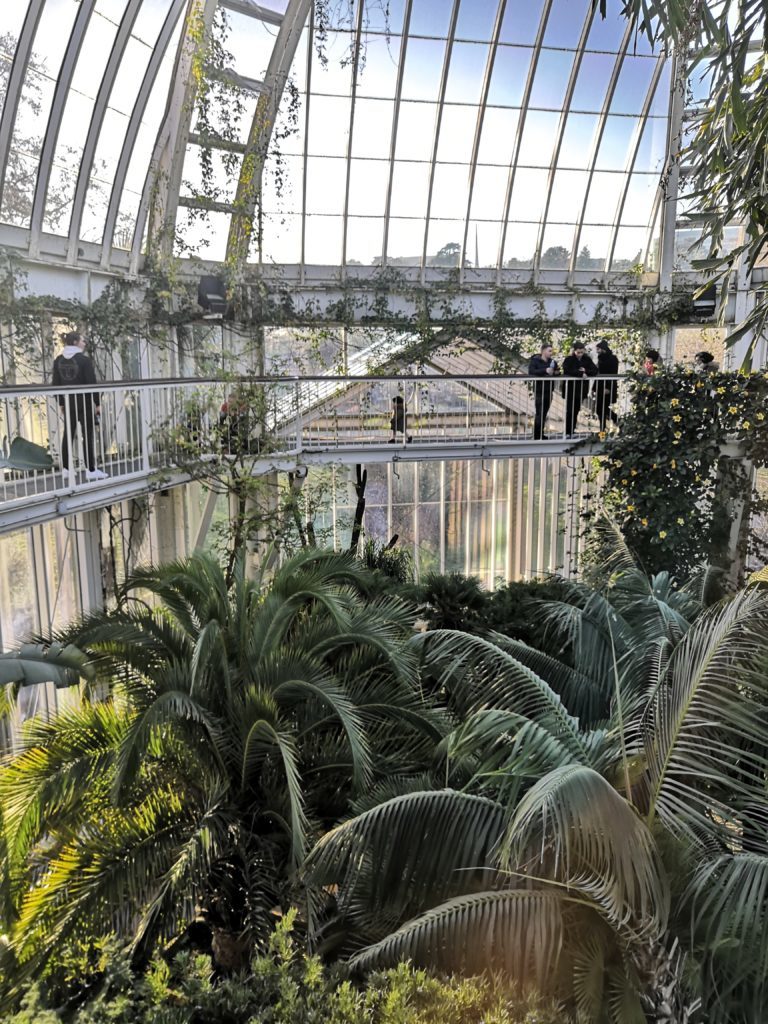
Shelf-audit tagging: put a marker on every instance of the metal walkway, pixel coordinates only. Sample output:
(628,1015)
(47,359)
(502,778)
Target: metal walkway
(152,436)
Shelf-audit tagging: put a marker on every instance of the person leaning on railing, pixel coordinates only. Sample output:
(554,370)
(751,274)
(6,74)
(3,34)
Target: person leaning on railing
(73,368)
(544,366)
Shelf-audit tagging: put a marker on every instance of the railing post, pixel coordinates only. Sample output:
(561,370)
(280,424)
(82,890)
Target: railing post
(144,403)
(299,418)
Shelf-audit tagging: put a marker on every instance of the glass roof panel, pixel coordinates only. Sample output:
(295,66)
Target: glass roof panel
(36,98)
(457,134)
(377,69)
(521,22)
(632,85)
(423,68)
(416,131)
(430,17)
(565,23)
(592,81)
(510,70)
(476,20)
(549,83)
(11,21)
(498,136)
(76,119)
(450,190)
(567,198)
(364,240)
(465,74)
(325,194)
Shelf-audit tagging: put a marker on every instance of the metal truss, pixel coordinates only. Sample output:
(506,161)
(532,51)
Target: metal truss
(160,199)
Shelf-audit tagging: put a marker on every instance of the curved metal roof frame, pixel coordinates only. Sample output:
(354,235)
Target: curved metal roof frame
(159,202)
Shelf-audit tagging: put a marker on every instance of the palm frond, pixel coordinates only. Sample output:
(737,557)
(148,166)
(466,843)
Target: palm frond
(586,698)
(703,734)
(517,933)
(404,854)
(504,752)
(575,824)
(480,674)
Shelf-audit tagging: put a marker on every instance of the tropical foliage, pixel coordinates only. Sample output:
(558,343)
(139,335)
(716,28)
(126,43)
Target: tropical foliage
(672,489)
(591,820)
(725,150)
(583,815)
(282,986)
(238,725)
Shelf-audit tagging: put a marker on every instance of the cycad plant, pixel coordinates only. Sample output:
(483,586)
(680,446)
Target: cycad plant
(600,830)
(226,729)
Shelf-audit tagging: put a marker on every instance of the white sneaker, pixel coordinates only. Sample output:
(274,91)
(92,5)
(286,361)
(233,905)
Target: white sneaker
(96,474)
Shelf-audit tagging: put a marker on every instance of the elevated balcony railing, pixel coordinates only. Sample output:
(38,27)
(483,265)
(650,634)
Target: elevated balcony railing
(144,428)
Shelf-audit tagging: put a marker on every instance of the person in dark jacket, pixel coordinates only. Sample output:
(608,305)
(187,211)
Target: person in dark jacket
(578,365)
(397,423)
(606,390)
(73,368)
(544,366)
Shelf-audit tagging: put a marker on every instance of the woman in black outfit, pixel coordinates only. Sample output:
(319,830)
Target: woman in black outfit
(606,390)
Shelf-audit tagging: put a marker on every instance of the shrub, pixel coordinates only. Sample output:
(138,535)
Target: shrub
(287,986)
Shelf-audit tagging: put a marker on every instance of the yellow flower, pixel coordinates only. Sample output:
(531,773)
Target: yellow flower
(653,466)
(675,401)
(678,434)
(633,472)
(732,410)
(759,415)
(721,391)
(746,424)
(601,435)
(644,522)
(625,482)
(630,508)
(677,418)
(680,520)
(617,462)
(662,534)
(674,464)
(699,385)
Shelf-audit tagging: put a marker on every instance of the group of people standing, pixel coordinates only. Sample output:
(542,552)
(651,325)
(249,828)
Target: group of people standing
(575,385)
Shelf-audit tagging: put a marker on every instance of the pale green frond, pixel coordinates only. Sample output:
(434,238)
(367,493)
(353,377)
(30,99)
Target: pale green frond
(589,976)
(325,691)
(574,824)
(167,709)
(38,663)
(518,933)
(729,915)
(503,752)
(480,674)
(704,740)
(586,697)
(408,852)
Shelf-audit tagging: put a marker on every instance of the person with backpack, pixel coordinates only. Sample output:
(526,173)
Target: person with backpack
(73,368)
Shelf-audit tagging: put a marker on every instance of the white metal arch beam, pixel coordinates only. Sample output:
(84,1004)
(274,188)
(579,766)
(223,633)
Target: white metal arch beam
(520,129)
(249,184)
(631,161)
(564,114)
(16,82)
(97,120)
(492,53)
(161,186)
(602,121)
(395,121)
(134,124)
(48,151)
(438,124)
